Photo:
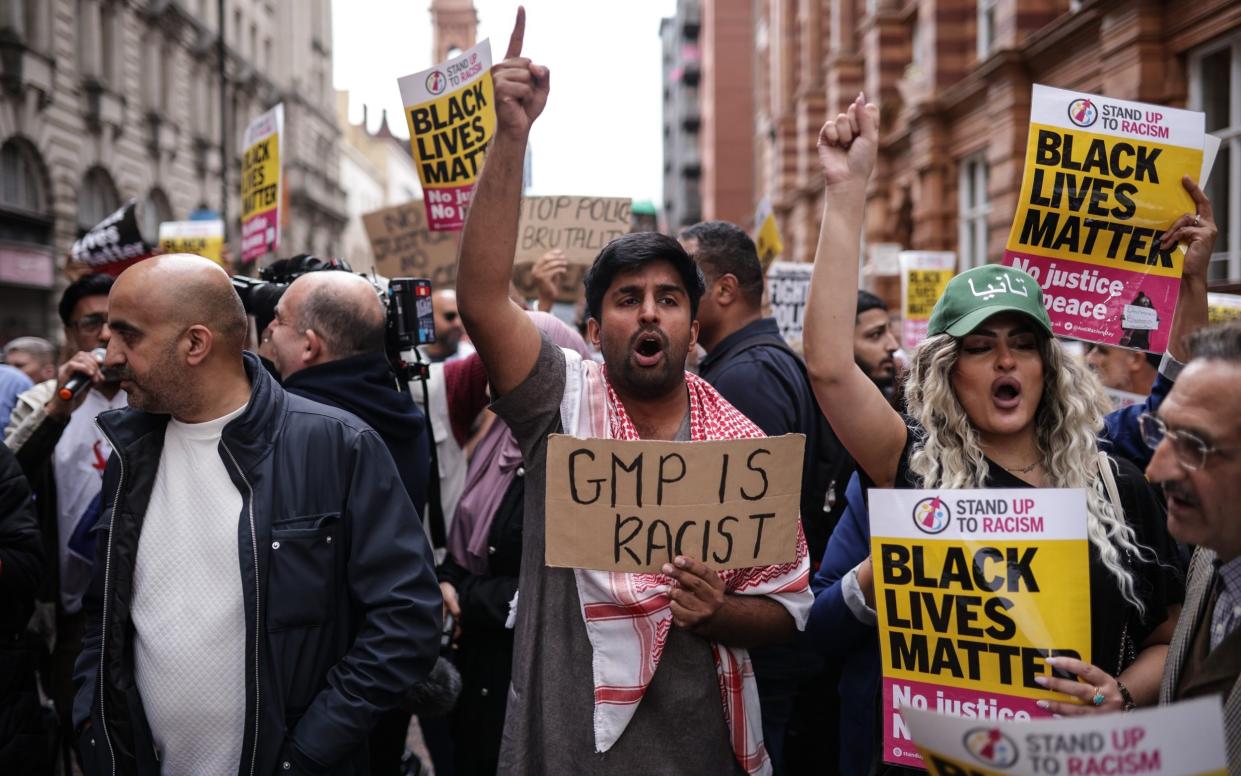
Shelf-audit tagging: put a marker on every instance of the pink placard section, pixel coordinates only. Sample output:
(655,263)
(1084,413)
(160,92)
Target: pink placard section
(258,235)
(898,746)
(1093,303)
(447,206)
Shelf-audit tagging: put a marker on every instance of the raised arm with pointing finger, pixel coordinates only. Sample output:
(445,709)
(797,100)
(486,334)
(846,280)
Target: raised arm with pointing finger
(507,341)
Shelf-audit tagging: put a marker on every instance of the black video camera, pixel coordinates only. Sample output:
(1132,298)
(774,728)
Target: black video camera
(260,296)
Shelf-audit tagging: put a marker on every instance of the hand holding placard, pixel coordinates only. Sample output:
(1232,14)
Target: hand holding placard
(521,86)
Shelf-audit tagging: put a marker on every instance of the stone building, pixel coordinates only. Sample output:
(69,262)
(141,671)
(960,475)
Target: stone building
(953,79)
(103,100)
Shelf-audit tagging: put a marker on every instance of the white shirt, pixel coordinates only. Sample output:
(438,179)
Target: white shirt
(188,612)
(78,463)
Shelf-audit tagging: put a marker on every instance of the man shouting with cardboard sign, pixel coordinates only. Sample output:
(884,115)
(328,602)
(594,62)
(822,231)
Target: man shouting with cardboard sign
(614,673)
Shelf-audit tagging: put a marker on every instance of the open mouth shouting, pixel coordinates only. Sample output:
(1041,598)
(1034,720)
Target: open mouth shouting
(1006,393)
(648,348)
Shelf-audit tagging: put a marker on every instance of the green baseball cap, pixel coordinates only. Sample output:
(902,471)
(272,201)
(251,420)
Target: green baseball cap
(979,293)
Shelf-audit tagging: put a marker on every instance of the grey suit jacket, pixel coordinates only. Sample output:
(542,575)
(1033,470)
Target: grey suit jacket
(1197,586)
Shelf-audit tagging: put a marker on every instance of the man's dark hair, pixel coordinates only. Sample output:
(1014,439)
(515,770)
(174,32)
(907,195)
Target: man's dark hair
(725,249)
(1221,342)
(629,252)
(338,322)
(868,301)
(95,284)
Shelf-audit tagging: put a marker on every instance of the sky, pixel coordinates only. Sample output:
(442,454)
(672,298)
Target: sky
(601,133)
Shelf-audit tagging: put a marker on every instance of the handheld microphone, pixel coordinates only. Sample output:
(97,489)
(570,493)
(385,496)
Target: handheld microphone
(79,380)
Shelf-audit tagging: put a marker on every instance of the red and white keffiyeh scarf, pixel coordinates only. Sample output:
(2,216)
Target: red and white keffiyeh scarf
(628,616)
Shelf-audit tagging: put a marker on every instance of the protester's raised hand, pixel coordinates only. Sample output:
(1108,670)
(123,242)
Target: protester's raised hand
(1197,230)
(849,143)
(520,85)
(547,272)
(697,592)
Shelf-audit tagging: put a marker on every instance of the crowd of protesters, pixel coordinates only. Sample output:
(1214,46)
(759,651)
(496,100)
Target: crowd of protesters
(218,555)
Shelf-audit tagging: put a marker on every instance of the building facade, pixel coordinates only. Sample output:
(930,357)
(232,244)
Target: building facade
(104,100)
(682,69)
(953,79)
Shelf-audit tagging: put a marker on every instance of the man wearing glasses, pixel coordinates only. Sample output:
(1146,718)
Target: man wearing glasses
(63,454)
(1196,438)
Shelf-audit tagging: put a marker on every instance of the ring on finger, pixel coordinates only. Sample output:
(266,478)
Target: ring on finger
(1098,698)
(1197,219)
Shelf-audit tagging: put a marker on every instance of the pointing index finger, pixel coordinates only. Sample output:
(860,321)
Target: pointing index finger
(519,34)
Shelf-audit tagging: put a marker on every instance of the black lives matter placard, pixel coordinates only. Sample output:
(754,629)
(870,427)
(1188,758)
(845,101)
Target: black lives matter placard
(971,591)
(1102,182)
(633,506)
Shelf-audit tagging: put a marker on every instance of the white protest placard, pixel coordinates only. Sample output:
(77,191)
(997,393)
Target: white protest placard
(1183,739)
(789,285)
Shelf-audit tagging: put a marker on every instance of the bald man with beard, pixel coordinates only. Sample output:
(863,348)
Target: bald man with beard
(263,592)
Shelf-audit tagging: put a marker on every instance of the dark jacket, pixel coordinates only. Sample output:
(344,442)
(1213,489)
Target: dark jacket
(760,375)
(364,385)
(342,607)
(24,736)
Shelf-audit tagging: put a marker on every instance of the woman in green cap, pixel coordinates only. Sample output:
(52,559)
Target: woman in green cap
(993,401)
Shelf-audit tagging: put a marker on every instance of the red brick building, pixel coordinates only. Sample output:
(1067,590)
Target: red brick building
(952,79)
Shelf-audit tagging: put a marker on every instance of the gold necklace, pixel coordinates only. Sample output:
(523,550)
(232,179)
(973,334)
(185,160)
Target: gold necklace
(1026,469)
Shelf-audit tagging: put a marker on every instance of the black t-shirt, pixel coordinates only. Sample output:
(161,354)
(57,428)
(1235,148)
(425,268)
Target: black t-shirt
(1158,578)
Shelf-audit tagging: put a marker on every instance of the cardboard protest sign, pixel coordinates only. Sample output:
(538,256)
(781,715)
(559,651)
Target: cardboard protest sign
(971,587)
(577,226)
(924,274)
(404,246)
(1186,739)
(451,113)
(767,233)
(789,286)
(618,505)
(260,184)
(205,238)
(1223,307)
(114,243)
(1102,182)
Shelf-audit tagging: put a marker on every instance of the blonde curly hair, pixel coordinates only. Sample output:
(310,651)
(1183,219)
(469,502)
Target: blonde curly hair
(1068,421)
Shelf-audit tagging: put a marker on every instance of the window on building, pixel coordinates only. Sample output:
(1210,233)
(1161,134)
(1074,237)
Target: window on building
(109,47)
(97,198)
(21,178)
(974,209)
(155,210)
(1214,83)
(986,27)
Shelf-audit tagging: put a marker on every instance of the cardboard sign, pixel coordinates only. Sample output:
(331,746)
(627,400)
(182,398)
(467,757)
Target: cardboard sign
(1186,739)
(260,185)
(205,238)
(578,226)
(1121,399)
(789,286)
(405,247)
(924,274)
(451,113)
(633,506)
(971,587)
(1102,182)
(1223,307)
(113,244)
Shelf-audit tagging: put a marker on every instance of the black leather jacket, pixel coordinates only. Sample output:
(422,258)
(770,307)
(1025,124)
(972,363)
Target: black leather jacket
(341,620)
